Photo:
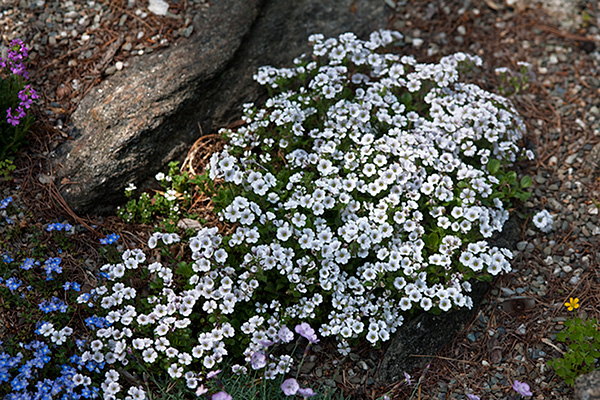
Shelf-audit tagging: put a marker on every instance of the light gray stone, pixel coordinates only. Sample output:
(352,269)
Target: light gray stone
(587,387)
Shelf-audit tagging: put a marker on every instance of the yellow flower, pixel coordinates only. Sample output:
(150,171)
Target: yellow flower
(572,304)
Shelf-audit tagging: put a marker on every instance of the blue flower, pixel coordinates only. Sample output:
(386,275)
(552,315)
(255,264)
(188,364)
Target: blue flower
(52,265)
(86,392)
(18,384)
(13,283)
(57,226)
(7,258)
(29,263)
(110,238)
(5,202)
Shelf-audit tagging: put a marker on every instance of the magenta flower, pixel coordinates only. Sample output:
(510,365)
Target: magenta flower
(290,387)
(306,331)
(473,397)
(221,396)
(522,388)
(13,120)
(17,50)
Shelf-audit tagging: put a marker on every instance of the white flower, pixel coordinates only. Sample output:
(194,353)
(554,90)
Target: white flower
(543,220)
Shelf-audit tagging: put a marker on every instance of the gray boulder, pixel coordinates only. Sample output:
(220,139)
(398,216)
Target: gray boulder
(587,387)
(137,120)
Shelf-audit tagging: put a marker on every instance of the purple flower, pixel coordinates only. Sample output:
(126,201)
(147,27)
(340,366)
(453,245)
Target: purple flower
(407,377)
(522,388)
(13,120)
(258,360)
(306,392)
(266,342)
(285,335)
(306,331)
(473,397)
(212,374)
(290,387)
(221,396)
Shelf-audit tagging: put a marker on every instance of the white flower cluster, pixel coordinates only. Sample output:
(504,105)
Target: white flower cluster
(357,194)
(382,180)
(543,220)
(57,337)
(213,288)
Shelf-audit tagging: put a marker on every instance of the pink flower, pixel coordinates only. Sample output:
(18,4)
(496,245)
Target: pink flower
(522,388)
(258,360)
(212,374)
(221,396)
(306,331)
(473,397)
(285,335)
(290,387)
(306,392)
(201,390)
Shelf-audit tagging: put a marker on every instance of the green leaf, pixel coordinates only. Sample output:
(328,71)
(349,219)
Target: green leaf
(185,269)
(511,177)
(493,166)
(432,241)
(589,360)
(526,182)
(406,98)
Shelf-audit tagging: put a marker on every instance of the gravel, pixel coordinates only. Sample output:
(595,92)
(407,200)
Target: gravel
(68,40)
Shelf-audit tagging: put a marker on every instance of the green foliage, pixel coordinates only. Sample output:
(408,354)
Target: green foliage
(165,207)
(15,100)
(6,168)
(583,340)
(513,82)
(509,187)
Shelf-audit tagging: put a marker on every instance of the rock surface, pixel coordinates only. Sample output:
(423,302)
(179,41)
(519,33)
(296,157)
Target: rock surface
(137,120)
(129,127)
(587,387)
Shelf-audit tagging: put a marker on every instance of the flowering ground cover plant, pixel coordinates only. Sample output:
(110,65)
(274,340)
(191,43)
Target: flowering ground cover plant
(39,353)
(15,99)
(583,339)
(367,184)
(362,192)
